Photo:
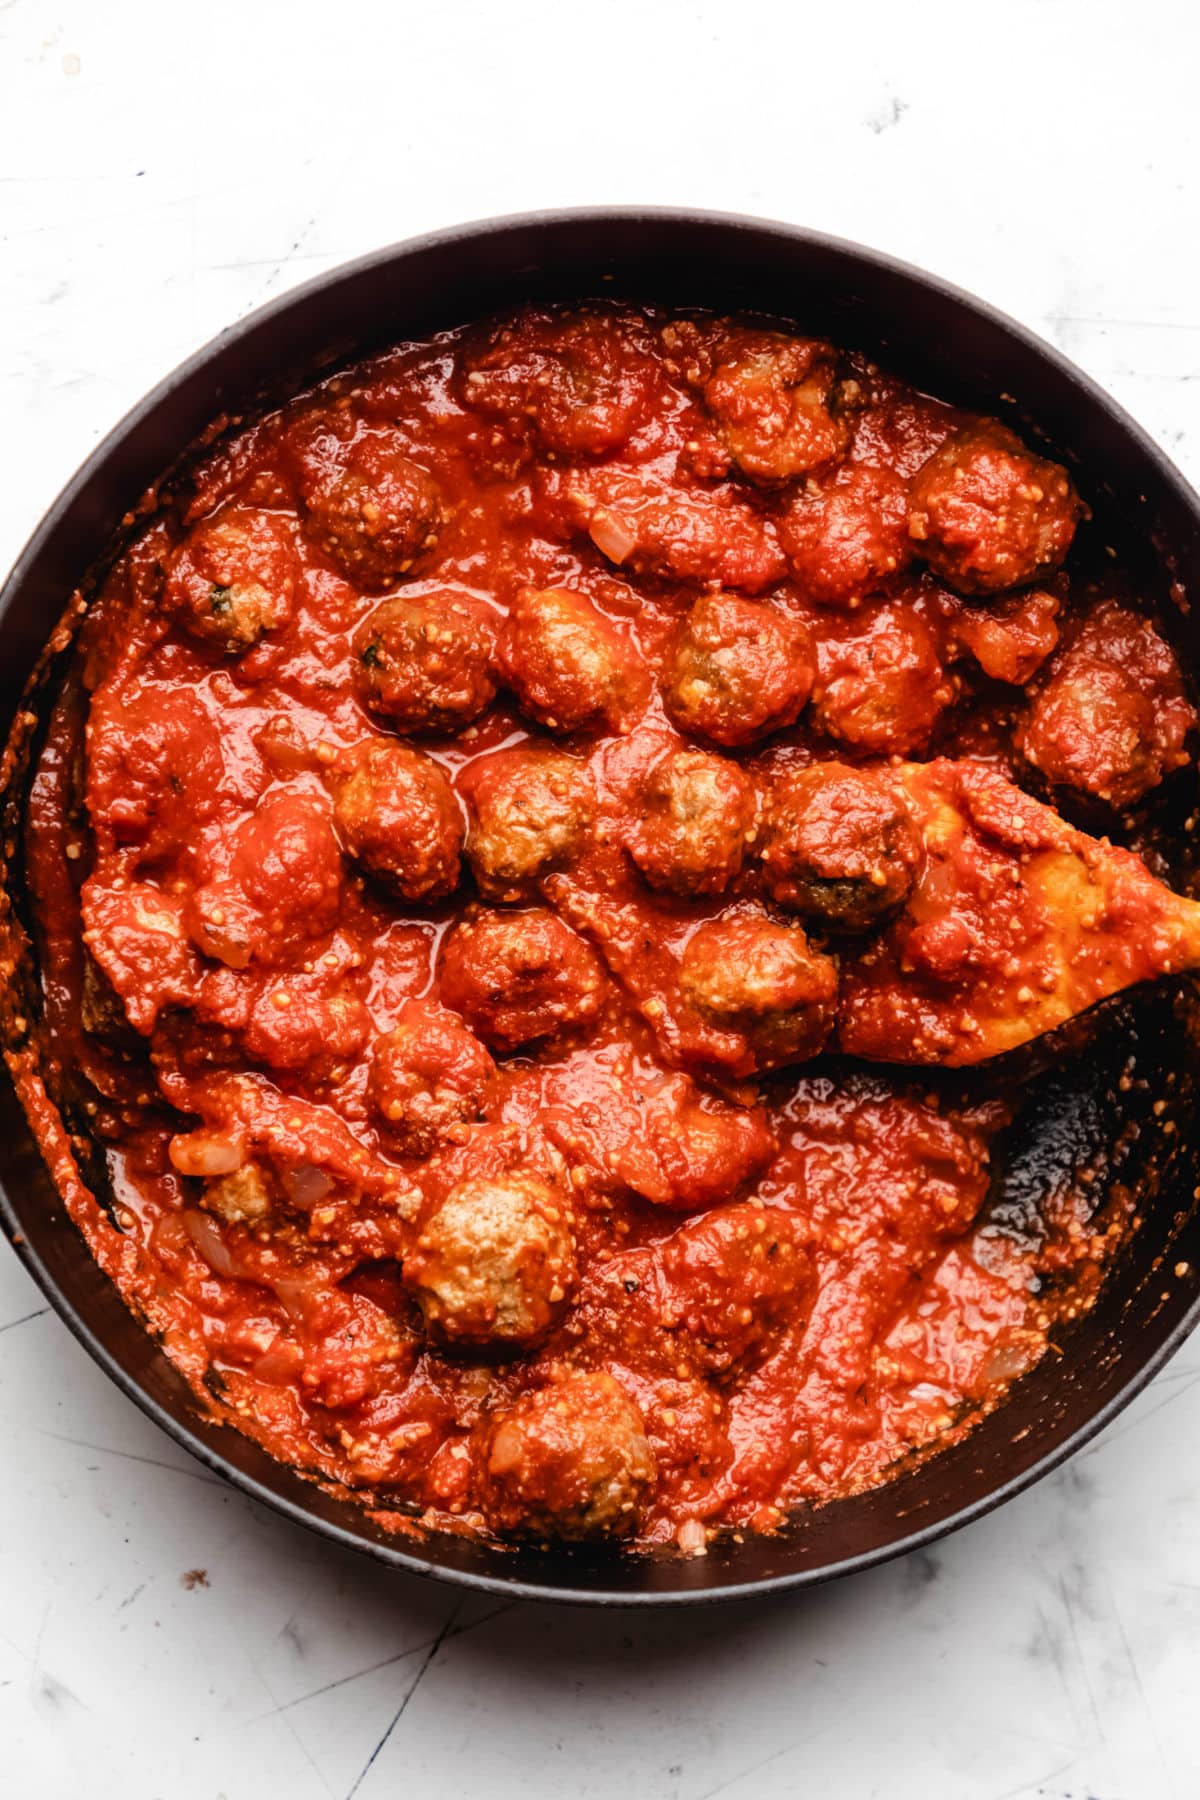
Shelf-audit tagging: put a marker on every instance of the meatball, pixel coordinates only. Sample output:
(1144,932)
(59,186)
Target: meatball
(287,858)
(772,399)
(283,885)
(530,811)
(696,1148)
(233,578)
(664,1137)
(494,1261)
(880,684)
(423,661)
(311,1022)
(581,378)
(136,934)
(695,817)
(987,514)
(1011,638)
(569,1461)
(428,1079)
(840,846)
(398,817)
(733,1280)
(519,976)
(158,766)
(763,980)
(737,670)
(848,535)
(706,537)
(568,666)
(1112,717)
(366,504)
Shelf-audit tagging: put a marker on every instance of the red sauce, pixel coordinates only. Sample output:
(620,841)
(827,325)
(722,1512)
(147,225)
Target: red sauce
(475,800)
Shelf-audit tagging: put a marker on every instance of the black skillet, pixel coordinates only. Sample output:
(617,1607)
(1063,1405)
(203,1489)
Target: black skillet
(1078,1113)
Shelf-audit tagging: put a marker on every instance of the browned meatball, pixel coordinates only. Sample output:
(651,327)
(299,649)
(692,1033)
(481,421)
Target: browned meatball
(1011,638)
(737,670)
(530,811)
(398,816)
(661,1137)
(423,661)
(233,578)
(286,858)
(987,514)
(158,766)
(772,397)
(764,980)
(568,666)
(581,378)
(1112,717)
(694,820)
(706,537)
(311,1022)
(569,1461)
(839,845)
(847,535)
(282,888)
(494,1261)
(365,502)
(428,1078)
(880,684)
(732,1282)
(519,976)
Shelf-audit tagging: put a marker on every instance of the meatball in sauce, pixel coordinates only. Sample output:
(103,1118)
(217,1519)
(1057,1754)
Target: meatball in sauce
(986,514)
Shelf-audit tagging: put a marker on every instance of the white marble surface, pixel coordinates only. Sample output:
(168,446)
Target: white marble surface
(163,170)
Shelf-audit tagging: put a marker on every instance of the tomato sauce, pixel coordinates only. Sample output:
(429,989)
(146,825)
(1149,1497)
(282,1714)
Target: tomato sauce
(484,791)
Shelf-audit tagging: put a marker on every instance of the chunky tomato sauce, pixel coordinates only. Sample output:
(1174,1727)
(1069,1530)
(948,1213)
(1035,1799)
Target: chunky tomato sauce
(500,806)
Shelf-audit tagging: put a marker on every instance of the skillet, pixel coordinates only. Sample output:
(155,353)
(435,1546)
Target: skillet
(1079,1113)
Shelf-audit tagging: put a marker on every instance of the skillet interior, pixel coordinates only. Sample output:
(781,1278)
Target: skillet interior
(1080,1113)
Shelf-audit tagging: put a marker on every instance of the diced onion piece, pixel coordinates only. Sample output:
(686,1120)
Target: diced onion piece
(611,536)
(284,745)
(205,1233)
(1004,1362)
(692,1538)
(208,1153)
(305,1185)
(301,1290)
(508,1450)
(282,1362)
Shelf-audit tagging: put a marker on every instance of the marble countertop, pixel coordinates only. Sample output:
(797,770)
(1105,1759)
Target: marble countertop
(163,172)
